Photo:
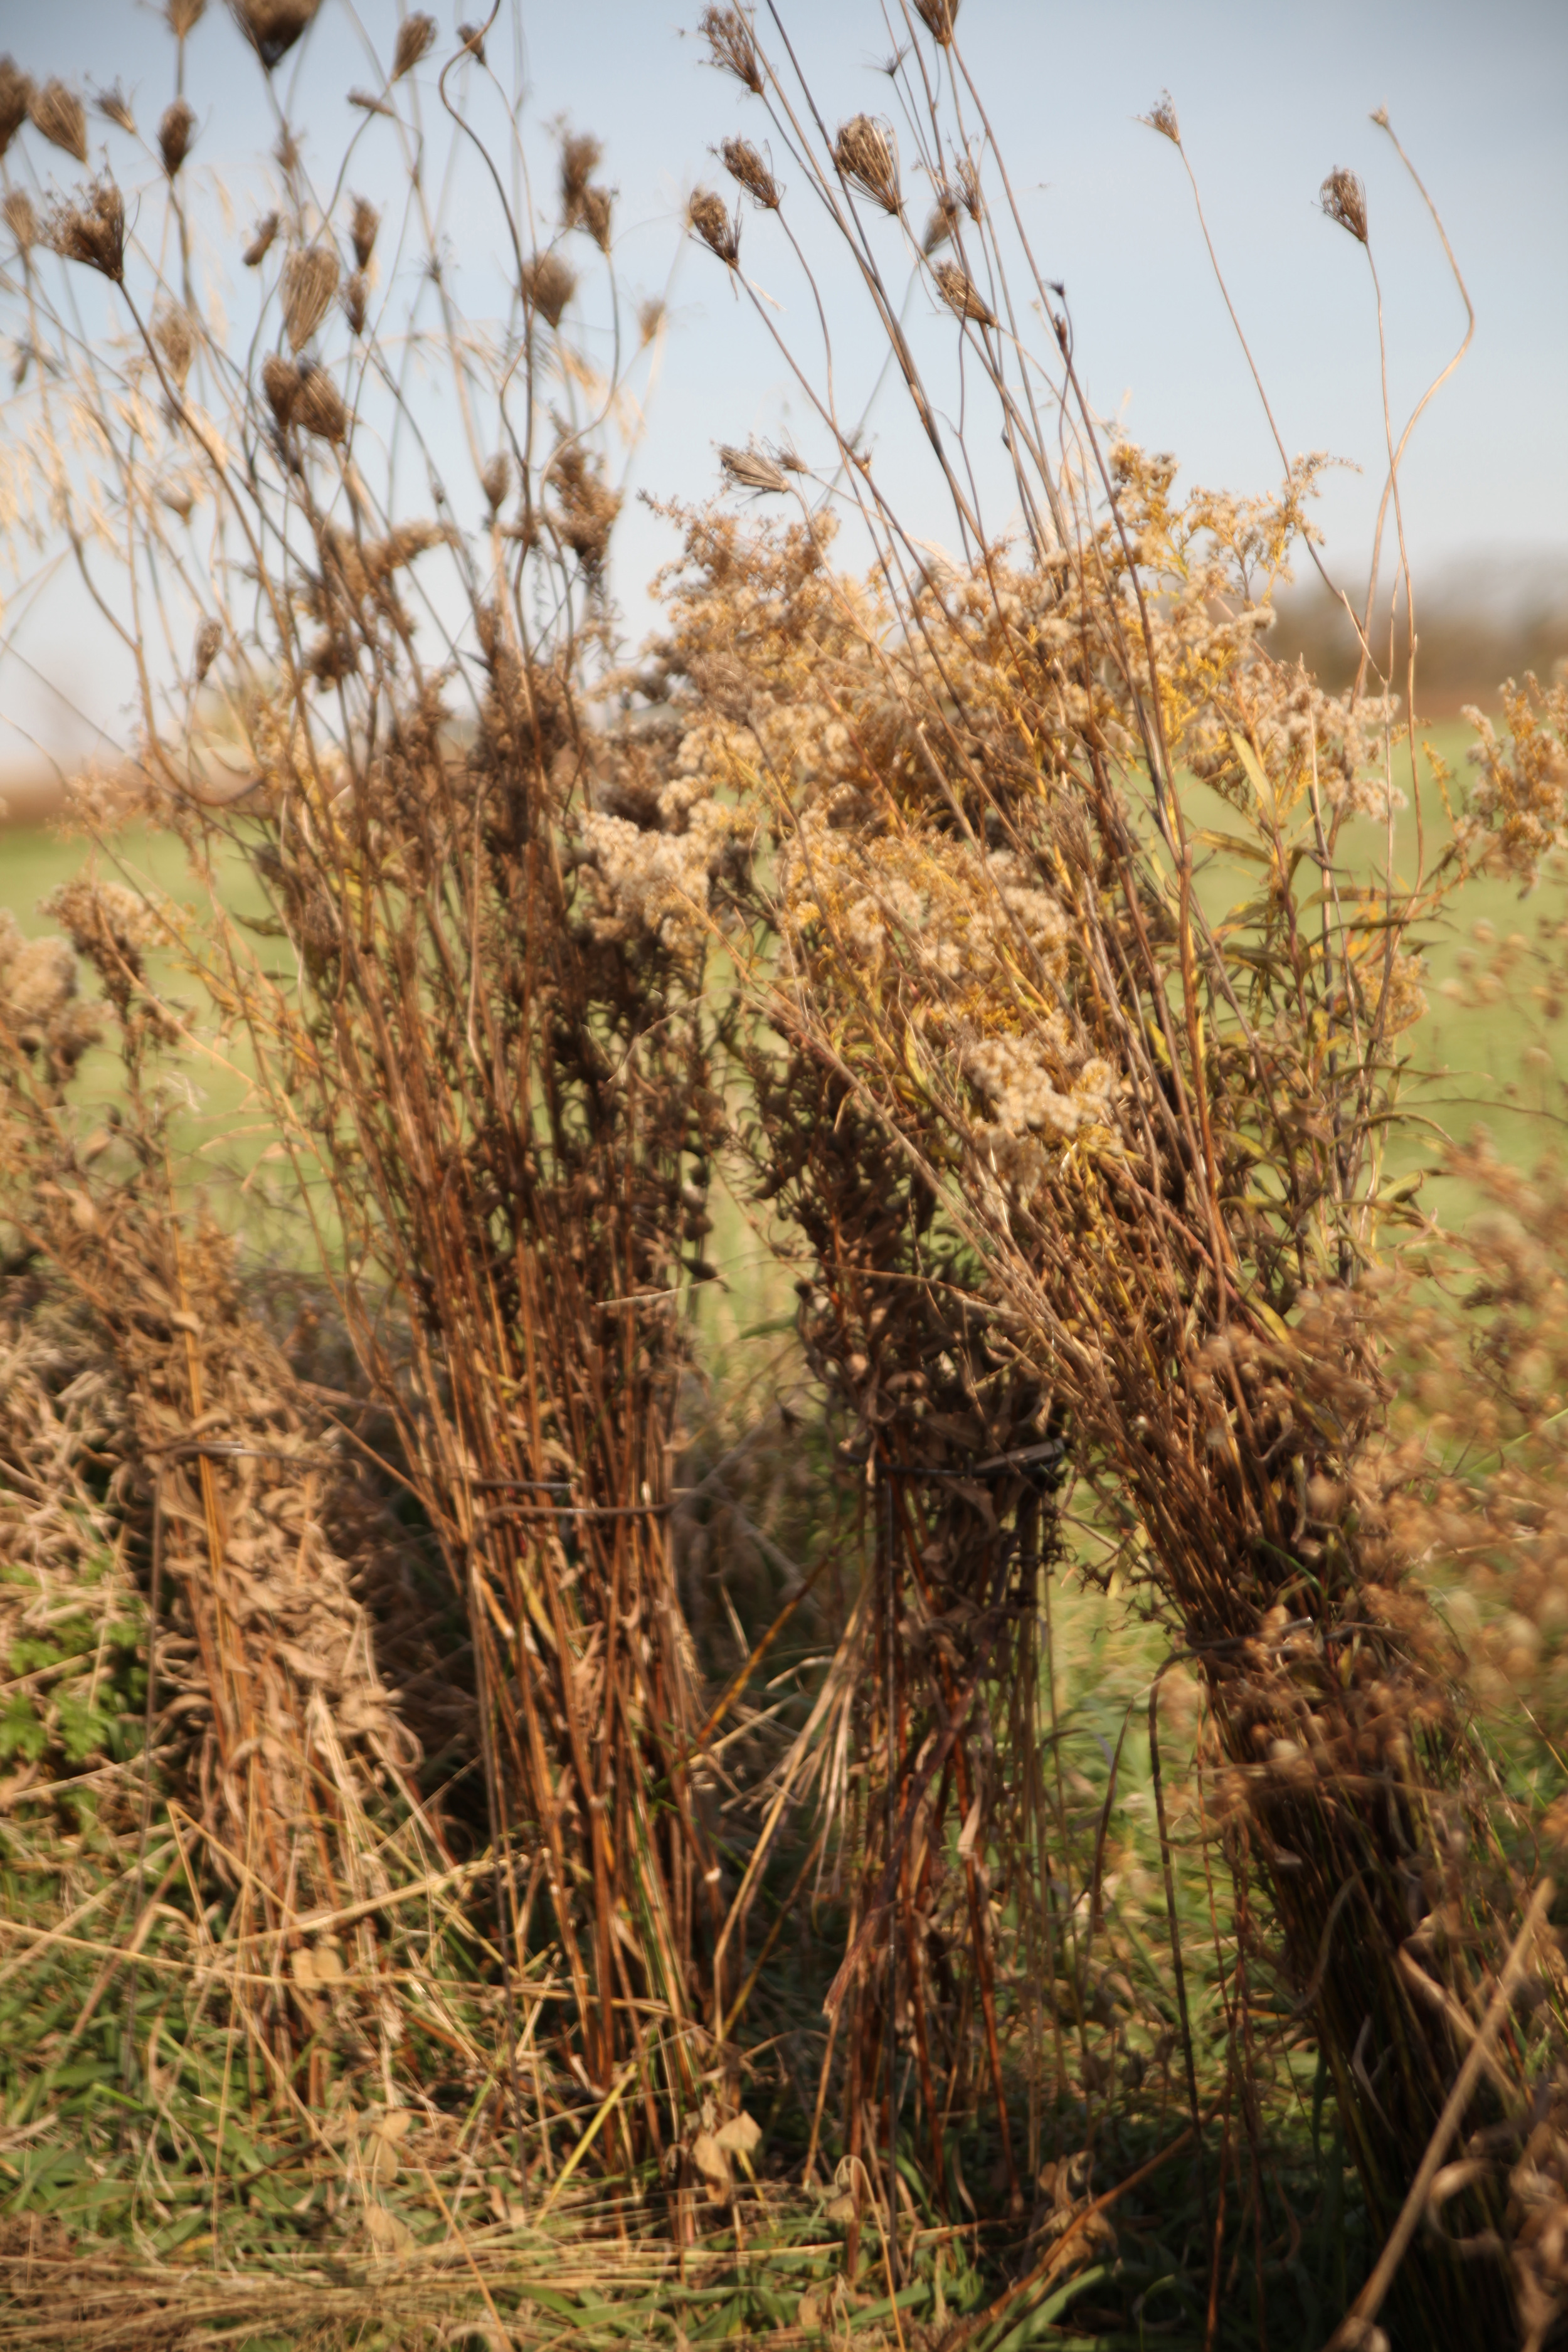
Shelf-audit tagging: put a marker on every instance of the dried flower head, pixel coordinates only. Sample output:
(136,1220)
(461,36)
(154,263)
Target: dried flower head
(176,342)
(260,244)
(176,496)
(586,507)
(208,645)
(579,157)
(310,282)
(91,230)
(319,406)
(961,294)
(548,285)
(495,480)
(937,16)
(115,107)
(272,26)
(281,382)
(1343,199)
(746,165)
(60,115)
(355,293)
(597,206)
(176,133)
(751,469)
(708,219)
(15,98)
(733,45)
(20,218)
(368,102)
(183,17)
(1161,117)
(942,222)
(866,157)
(362,227)
(416,40)
(650,318)
(472,37)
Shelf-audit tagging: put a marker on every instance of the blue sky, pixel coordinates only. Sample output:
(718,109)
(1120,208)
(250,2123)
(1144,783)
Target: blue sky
(1271,97)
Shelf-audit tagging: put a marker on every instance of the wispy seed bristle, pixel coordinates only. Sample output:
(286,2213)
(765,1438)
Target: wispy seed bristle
(115,107)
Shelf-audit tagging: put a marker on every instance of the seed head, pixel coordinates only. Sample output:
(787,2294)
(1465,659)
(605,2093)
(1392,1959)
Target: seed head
(115,107)
(1161,117)
(495,480)
(91,230)
(416,40)
(1344,199)
(961,294)
(208,645)
(172,333)
(261,237)
(595,220)
(272,26)
(473,40)
(176,133)
(310,282)
(548,285)
(937,16)
(281,382)
(733,45)
(650,318)
(319,405)
(15,98)
(354,301)
(751,469)
(60,115)
(579,157)
(745,163)
(20,218)
(866,157)
(362,227)
(942,222)
(708,219)
(367,101)
(183,17)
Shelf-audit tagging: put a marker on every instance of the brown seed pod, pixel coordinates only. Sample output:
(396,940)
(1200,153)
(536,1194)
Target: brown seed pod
(272,26)
(495,480)
(208,645)
(261,237)
(866,157)
(746,165)
(176,133)
(173,334)
(60,115)
(1344,199)
(579,157)
(362,227)
(281,382)
(473,40)
(310,282)
(937,16)
(595,216)
(961,294)
(548,285)
(115,107)
(15,98)
(416,40)
(708,219)
(183,17)
(1161,117)
(942,222)
(91,230)
(319,405)
(20,218)
(354,293)
(650,318)
(733,45)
